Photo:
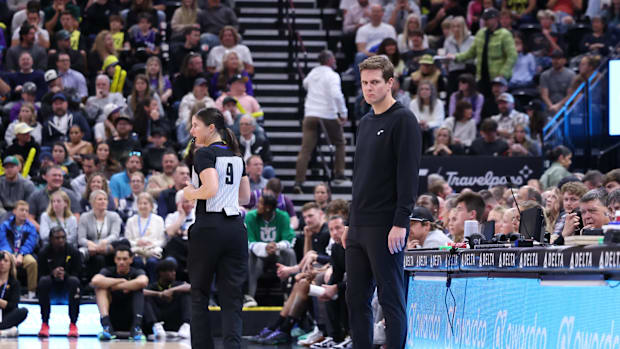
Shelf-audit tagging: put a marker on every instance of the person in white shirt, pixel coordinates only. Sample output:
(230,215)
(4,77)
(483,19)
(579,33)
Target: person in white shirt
(429,110)
(508,117)
(146,234)
(178,222)
(356,16)
(462,124)
(369,37)
(396,13)
(41,36)
(229,39)
(324,104)
(96,104)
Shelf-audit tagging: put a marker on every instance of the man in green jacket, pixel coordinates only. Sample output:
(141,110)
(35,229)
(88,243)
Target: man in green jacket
(494,51)
(270,240)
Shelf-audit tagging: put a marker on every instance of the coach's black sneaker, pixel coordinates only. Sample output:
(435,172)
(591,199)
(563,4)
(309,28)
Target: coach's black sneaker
(276,337)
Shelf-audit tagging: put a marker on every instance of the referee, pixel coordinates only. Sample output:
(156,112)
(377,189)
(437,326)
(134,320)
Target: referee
(385,182)
(218,241)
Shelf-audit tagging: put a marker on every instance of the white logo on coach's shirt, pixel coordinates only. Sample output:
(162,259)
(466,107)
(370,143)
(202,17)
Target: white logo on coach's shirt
(380,132)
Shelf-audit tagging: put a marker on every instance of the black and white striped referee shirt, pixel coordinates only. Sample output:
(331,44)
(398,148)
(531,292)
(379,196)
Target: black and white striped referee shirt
(230,168)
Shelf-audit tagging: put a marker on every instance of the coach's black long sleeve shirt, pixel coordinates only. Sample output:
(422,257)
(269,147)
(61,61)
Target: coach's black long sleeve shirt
(385,173)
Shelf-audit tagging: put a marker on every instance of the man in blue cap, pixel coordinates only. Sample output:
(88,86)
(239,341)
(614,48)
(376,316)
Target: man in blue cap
(56,128)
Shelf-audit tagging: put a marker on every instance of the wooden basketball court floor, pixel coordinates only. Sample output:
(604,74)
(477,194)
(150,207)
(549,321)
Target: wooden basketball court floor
(32,342)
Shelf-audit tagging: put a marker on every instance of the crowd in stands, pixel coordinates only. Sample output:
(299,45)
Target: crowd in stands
(96,104)
(460,63)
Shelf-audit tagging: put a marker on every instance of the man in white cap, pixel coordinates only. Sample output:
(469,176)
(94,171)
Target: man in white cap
(22,145)
(95,104)
(508,117)
(110,112)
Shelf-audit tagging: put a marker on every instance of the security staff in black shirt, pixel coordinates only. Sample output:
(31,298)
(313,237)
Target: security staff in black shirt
(218,240)
(385,182)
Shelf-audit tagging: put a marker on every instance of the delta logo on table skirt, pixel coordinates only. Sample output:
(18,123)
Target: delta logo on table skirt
(511,313)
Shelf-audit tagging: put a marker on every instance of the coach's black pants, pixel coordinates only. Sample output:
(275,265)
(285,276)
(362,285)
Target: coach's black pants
(370,263)
(71,284)
(218,246)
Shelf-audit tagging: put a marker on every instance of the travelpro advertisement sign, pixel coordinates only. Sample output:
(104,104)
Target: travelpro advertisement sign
(480,172)
(511,313)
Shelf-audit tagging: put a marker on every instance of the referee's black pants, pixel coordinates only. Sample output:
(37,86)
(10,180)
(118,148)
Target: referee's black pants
(370,263)
(218,245)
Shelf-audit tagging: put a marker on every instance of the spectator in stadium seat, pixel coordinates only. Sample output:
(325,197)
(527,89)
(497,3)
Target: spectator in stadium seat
(525,66)
(560,157)
(593,179)
(160,83)
(26,74)
(492,64)
(119,183)
(56,128)
(71,78)
(212,19)
(246,104)
(552,202)
(102,48)
(156,147)
(587,67)
(612,180)
(251,143)
(229,41)
(522,11)
(199,94)
(59,266)
(355,17)
(96,105)
(467,90)
(26,44)
(529,193)
(599,41)
(430,202)
(140,92)
(106,164)
(555,82)
(510,222)
(424,232)
(160,181)
(33,18)
(522,144)
(565,10)
(191,69)
(412,56)
(166,202)
(97,181)
(23,144)
(125,142)
(488,143)
(185,16)
(58,214)
(439,13)
(506,21)
(138,7)
(428,109)
(89,166)
(77,146)
(178,53)
(177,225)
(12,315)
(496,215)
(39,200)
(270,240)
(461,123)
(13,187)
(508,117)
(96,16)
(389,48)
(254,169)
(148,117)
(231,67)
(571,193)
(63,45)
(397,12)
(146,234)
(613,203)
(167,302)
(443,144)
(27,114)
(128,206)
(61,157)
(19,10)
(274,187)
(54,12)
(428,71)
(369,36)
(97,230)
(120,298)
(19,237)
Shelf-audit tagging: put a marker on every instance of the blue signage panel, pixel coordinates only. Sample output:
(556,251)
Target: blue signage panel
(511,313)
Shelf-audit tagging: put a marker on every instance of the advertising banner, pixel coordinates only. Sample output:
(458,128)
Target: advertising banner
(511,313)
(480,172)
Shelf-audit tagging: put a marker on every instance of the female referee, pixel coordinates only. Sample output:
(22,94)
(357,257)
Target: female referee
(218,241)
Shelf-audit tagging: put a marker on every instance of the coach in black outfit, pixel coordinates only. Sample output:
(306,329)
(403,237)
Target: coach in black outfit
(385,181)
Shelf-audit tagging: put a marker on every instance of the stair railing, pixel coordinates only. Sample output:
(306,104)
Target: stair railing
(297,72)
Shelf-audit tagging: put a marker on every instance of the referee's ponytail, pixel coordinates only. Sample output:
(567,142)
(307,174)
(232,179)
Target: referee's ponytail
(213,116)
